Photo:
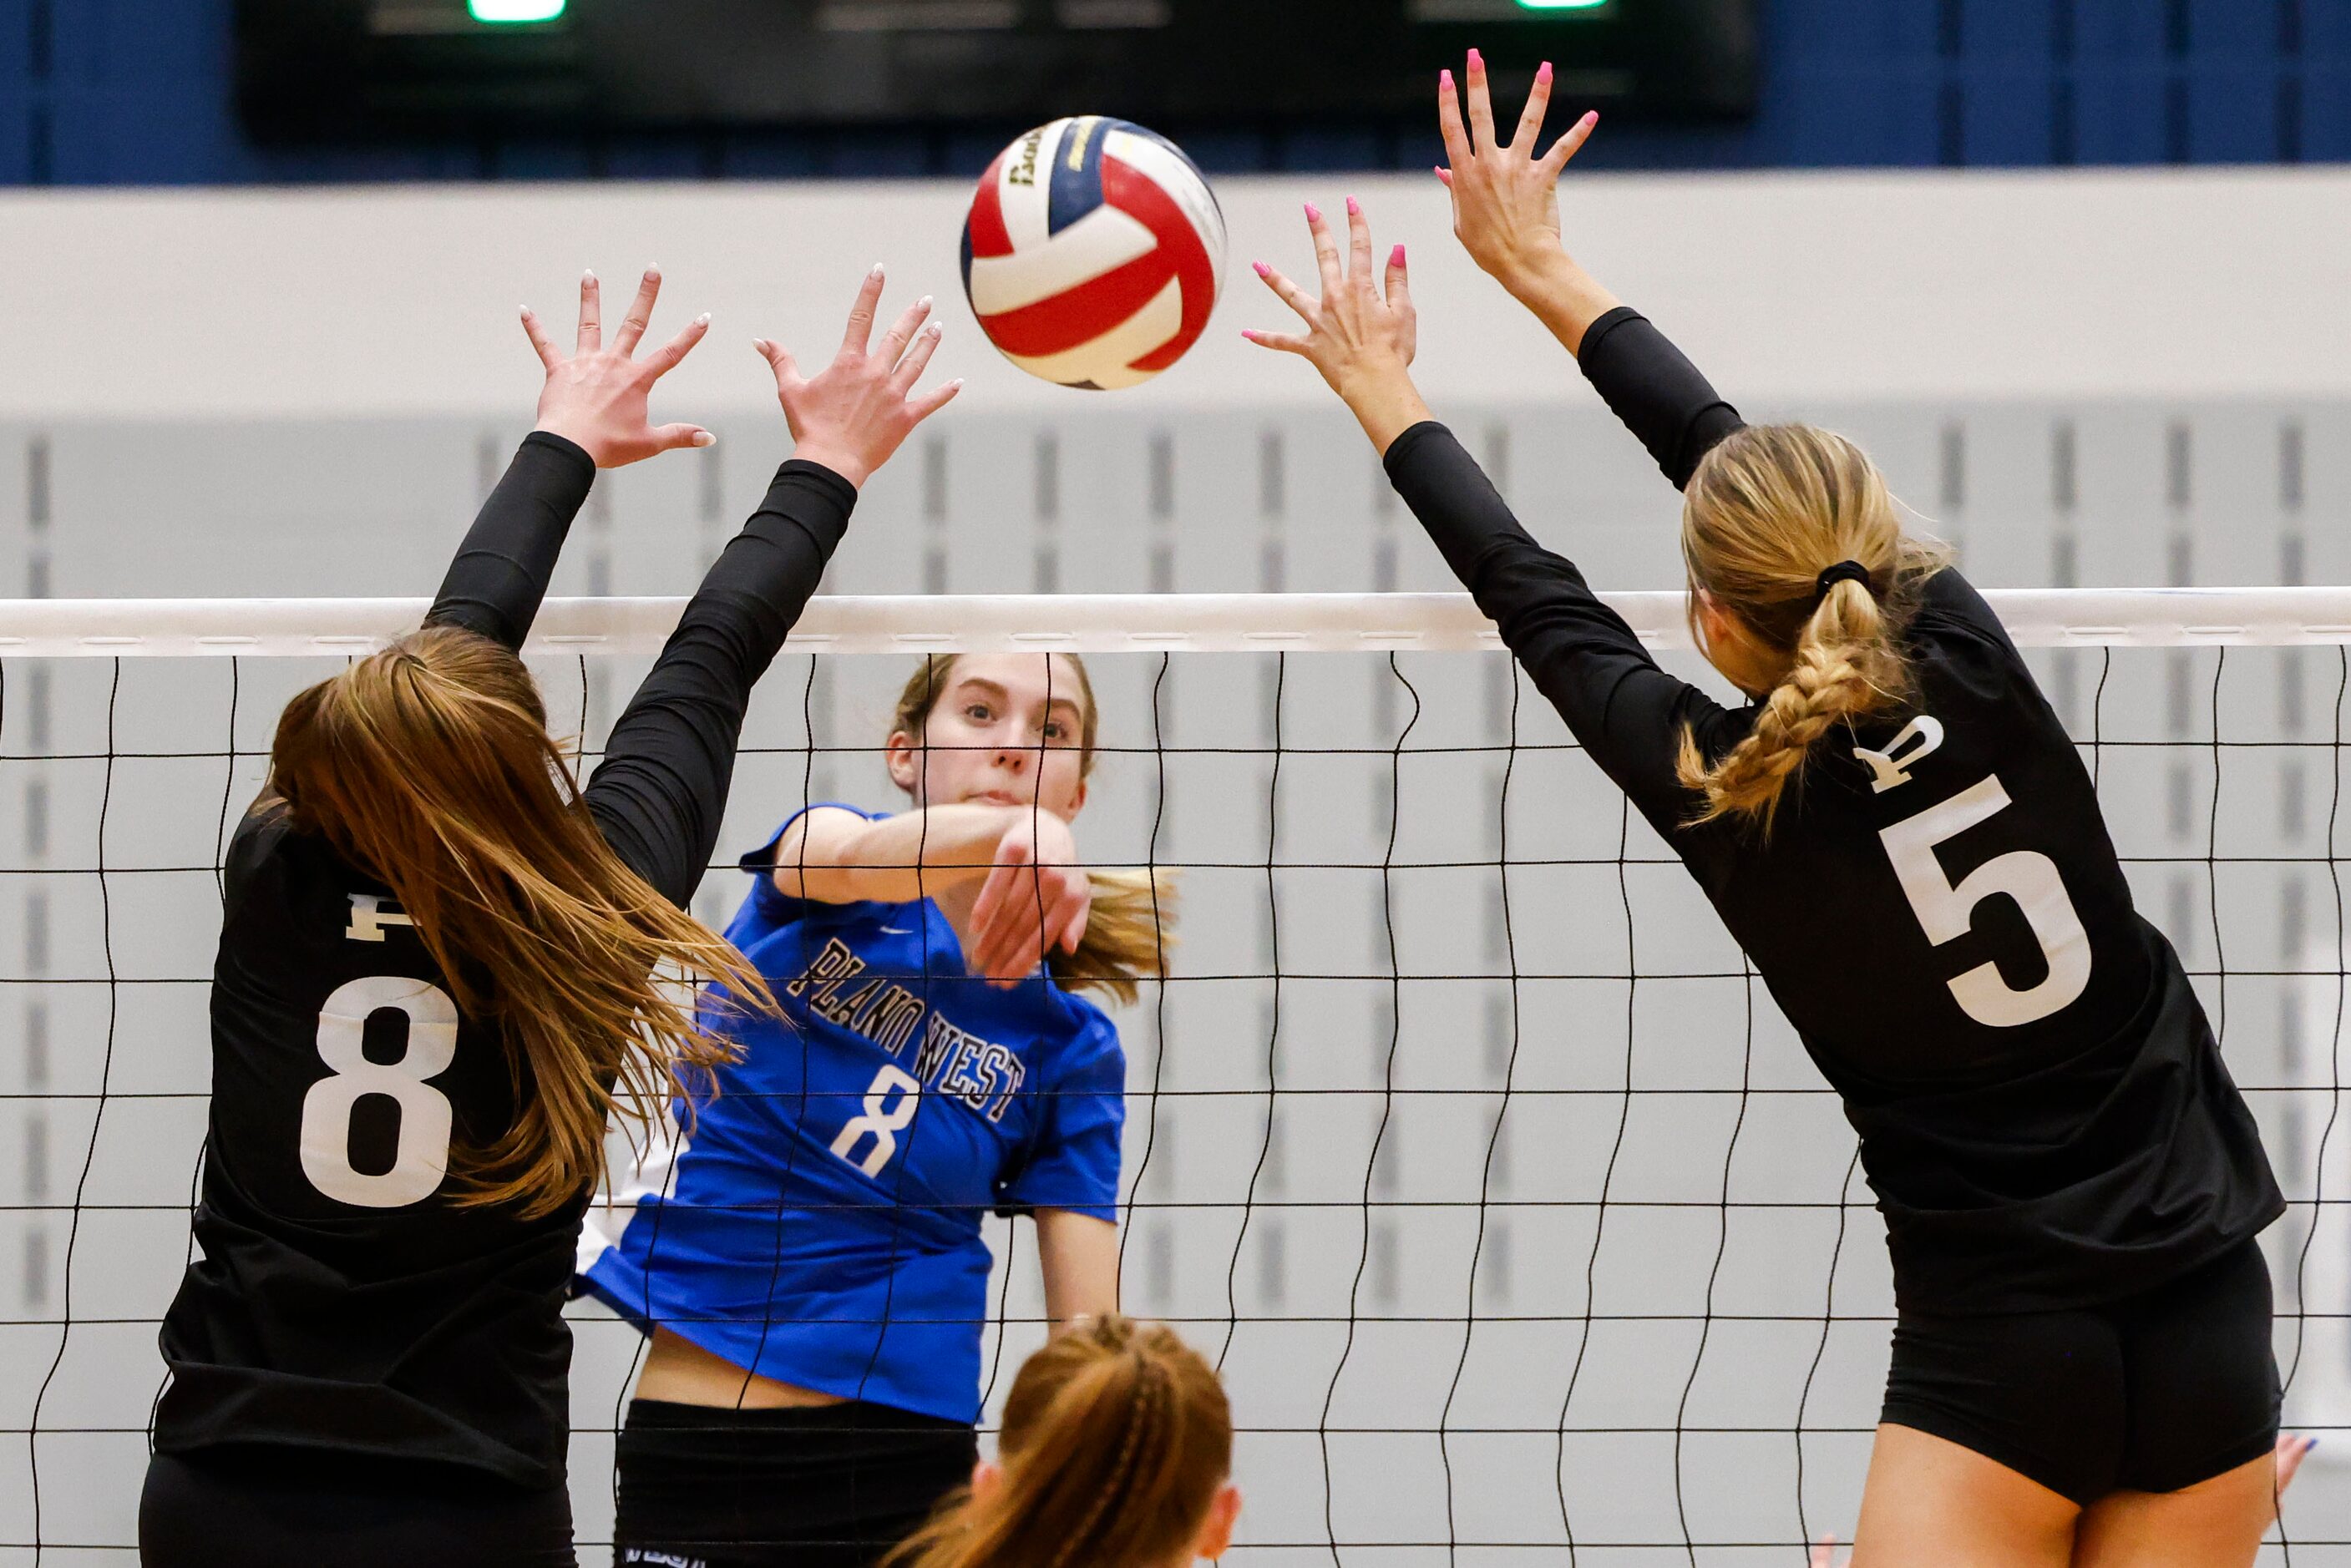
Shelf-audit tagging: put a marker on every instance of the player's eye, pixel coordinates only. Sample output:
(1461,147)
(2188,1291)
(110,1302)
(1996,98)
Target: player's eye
(977,713)
(1056,731)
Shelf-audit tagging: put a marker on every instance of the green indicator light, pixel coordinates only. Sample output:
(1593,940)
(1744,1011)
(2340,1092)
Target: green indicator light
(507,11)
(1561,5)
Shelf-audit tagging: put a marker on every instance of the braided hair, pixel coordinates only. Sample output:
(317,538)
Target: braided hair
(1117,1438)
(1790,531)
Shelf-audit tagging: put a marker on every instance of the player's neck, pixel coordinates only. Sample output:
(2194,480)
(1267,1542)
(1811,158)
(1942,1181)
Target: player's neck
(956,902)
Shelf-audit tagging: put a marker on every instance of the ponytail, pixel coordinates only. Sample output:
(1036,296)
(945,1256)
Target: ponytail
(1792,530)
(1117,1438)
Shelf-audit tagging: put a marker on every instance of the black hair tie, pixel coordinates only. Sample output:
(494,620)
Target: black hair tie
(1843,572)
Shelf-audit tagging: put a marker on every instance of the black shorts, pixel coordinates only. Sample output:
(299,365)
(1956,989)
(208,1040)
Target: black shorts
(834,1486)
(2152,1394)
(283,1508)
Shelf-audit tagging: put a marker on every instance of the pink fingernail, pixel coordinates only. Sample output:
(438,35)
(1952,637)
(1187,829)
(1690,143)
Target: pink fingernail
(1444,80)
(1262,270)
(1544,76)
(1396,257)
(1477,61)
(1249,333)
(1354,208)
(1313,213)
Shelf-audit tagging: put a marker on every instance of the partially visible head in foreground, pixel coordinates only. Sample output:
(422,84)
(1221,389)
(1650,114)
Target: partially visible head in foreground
(1117,1452)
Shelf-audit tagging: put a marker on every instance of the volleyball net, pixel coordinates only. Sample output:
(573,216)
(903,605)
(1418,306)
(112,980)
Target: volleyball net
(1460,1133)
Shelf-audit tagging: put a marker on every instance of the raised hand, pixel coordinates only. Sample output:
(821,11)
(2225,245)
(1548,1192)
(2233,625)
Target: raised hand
(597,398)
(1038,898)
(1361,339)
(854,413)
(1505,199)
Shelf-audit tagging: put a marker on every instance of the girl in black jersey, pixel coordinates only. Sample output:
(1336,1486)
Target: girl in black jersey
(437,960)
(1899,831)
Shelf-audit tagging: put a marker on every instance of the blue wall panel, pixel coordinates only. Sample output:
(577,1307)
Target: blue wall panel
(140,91)
(2120,115)
(2233,113)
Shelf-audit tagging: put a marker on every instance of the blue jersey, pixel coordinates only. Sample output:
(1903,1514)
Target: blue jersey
(819,1224)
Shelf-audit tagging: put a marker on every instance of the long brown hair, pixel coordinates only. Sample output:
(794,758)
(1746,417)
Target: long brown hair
(1132,924)
(428,765)
(1769,510)
(1117,1437)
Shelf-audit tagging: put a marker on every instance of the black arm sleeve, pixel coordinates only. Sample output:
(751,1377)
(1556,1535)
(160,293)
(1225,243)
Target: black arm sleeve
(660,791)
(501,572)
(1654,388)
(1628,713)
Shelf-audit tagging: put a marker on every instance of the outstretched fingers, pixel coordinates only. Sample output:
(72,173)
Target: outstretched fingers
(549,355)
(1290,295)
(917,359)
(902,331)
(591,316)
(859,335)
(779,360)
(664,359)
(1448,121)
(641,314)
(670,438)
(1359,244)
(934,400)
(1399,281)
(1326,249)
(1482,105)
(1531,121)
(1568,145)
(1286,342)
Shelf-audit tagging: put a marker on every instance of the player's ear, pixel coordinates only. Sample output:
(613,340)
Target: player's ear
(1077,800)
(898,754)
(1215,1536)
(987,1481)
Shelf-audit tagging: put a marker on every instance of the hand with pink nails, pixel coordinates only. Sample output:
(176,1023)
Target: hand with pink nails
(1360,338)
(1505,198)
(853,414)
(597,399)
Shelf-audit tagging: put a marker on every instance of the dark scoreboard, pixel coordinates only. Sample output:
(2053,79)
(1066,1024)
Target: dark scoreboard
(312,70)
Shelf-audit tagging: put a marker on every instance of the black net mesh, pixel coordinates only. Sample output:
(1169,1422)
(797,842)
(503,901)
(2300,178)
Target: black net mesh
(1460,1136)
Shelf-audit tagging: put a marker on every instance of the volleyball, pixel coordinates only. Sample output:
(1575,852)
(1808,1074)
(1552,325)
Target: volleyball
(1093,253)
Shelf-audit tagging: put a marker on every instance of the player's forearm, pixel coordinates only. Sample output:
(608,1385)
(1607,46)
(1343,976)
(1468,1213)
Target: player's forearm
(500,575)
(1563,296)
(913,856)
(1079,1256)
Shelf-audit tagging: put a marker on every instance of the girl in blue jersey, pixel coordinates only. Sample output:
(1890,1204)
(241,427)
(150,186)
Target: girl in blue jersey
(809,1265)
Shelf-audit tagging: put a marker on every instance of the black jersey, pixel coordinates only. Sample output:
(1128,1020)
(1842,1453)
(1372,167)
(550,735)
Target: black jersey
(343,1300)
(1938,911)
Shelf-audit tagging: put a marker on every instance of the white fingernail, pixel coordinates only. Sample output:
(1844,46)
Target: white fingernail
(923,303)
(877,271)
(588,276)
(703,438)
(653,269)
(936,329)
(703,320)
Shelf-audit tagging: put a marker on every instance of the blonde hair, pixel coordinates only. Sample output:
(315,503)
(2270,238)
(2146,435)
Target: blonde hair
(1117,1437)
(428,765)
(1770,509)
(1132,926)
